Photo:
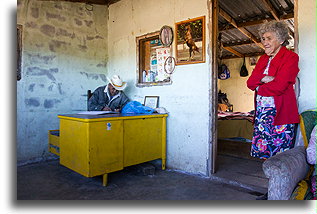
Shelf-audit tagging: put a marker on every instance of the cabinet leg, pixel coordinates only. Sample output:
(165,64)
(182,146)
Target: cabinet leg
(163,164)
(104,180)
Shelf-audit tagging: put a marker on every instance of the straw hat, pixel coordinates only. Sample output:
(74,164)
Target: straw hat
(117,83)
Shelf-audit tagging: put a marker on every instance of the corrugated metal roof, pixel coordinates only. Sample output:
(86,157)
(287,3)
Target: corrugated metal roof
(253,13)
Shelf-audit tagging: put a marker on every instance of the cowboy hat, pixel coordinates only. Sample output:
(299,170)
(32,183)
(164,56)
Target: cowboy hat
(117,83)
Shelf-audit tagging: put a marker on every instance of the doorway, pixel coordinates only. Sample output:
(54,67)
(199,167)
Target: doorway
(236,42)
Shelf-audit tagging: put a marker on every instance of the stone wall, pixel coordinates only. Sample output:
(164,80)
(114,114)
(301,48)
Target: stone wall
(64,53)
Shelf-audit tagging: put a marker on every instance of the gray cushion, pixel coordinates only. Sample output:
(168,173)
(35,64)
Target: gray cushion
(284,171)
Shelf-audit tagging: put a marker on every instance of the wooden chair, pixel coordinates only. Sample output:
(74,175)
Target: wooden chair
(89,94)
(288,172)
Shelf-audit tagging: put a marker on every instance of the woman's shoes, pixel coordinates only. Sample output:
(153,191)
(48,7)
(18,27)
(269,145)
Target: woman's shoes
(262,197)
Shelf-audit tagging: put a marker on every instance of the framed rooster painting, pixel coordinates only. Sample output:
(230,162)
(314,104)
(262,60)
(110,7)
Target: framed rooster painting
(190,41)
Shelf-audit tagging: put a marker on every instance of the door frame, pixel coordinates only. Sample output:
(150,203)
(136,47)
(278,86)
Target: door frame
(213,10)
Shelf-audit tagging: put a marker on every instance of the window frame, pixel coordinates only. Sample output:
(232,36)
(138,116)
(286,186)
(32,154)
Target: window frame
(140,41)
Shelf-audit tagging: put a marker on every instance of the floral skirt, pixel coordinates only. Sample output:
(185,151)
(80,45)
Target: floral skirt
(269,140)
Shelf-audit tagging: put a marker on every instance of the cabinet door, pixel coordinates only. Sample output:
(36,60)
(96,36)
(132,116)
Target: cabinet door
(105,147)
(74,146)
(142,140)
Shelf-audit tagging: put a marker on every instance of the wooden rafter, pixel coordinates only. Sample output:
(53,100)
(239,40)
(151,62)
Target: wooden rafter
(100,2)
(233,51)
(256,22)
(241,29)
(274,13)
(238,44)
(245,55)
(291,33)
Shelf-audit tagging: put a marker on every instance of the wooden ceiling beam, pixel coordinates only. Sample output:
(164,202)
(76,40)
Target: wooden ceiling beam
(250,35)
(256,22)
(231,20)
(269,5)
(233,51)
(227,17)
(238,44)
(99,2)
(246,55)
(291,32)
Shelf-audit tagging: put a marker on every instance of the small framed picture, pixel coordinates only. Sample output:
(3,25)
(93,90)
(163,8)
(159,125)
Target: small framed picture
(169,65)
(151,101)
(253,61)
(166,36)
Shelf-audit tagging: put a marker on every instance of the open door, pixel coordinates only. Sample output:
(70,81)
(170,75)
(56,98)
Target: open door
(238,24)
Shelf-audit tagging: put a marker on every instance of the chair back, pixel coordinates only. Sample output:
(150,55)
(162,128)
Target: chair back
(307,124)
(89,94)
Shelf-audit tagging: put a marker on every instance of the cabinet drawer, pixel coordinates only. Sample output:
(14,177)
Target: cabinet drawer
(53,141)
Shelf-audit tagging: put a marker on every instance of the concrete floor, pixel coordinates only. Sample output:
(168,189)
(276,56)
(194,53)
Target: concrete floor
(236,179)
(242,172)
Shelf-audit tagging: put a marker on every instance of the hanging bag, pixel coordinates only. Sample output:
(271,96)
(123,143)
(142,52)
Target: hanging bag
(244,71)
(223,72)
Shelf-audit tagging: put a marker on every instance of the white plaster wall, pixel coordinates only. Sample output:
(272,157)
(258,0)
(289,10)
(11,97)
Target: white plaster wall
(235,87)
(64,54)
(187,97)
(307,54)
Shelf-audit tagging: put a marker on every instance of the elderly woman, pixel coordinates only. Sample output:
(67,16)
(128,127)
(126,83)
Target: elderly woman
(273,80)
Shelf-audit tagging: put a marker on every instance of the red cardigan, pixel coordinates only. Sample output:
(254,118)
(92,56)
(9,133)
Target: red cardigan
(284,67)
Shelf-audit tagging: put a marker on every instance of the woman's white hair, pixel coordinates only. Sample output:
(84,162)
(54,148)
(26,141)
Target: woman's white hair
(279,28)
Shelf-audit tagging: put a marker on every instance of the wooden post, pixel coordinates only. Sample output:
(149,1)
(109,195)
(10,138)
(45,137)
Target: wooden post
(213,9)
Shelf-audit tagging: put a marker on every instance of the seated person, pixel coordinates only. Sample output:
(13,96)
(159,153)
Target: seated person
(109,97)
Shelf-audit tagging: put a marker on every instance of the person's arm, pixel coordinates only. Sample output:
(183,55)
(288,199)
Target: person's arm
(93,102)
(285,77)
(254,80)
(124,100)
(267,79)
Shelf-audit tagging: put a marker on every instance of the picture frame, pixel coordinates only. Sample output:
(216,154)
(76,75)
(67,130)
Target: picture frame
(19,51)
(169,65)
(190,41)
(253,61)
(166,36)
(151,101)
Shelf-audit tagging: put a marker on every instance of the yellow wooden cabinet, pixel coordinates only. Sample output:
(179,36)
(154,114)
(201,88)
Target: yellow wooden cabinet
(95,145)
